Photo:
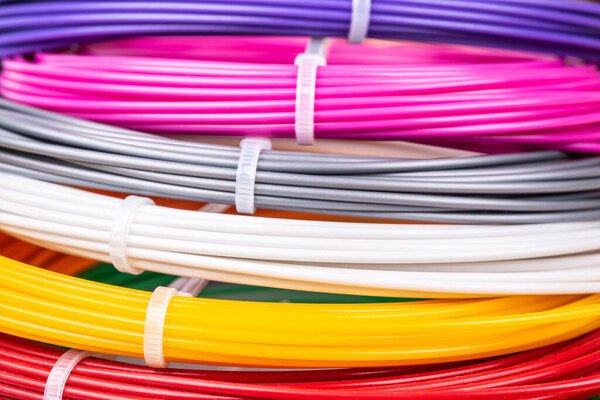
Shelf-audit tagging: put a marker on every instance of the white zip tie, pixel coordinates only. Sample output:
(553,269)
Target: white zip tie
(214,208)
(245,180)
(119,233)
(156,312)
(359,24)
(189,287)
(57,379)
(306,87)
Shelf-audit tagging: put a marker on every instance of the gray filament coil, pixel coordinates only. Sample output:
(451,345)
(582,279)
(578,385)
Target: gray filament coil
(536,187)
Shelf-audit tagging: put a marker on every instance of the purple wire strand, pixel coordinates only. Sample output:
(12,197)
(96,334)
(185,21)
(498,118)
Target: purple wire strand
(563,27)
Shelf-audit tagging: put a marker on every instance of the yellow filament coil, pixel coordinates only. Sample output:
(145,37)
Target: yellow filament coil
(62,310)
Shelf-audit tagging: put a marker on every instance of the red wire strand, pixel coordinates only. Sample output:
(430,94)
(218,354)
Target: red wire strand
(566,371)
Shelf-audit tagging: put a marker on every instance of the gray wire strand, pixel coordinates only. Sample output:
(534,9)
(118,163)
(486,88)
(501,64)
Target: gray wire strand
(536,187)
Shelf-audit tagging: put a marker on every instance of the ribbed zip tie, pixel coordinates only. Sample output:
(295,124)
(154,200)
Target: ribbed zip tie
(119,233)
(57,379)
(306,86)
(361,18)
(245,180)
(154,326)
(189,287)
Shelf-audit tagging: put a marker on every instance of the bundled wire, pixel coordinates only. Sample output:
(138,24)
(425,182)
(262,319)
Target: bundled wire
(565,371)
(19,250)
(22,251)
(338,257)
(24,366)
(536,187)
(56,309)
(559,26)
(463,97)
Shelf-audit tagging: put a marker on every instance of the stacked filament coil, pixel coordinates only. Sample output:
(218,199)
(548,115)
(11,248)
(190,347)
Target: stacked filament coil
(349,199)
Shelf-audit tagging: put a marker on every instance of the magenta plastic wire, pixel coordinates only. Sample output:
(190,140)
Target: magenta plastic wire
(378,91)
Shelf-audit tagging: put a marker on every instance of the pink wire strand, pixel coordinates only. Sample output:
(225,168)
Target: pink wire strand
(432,94)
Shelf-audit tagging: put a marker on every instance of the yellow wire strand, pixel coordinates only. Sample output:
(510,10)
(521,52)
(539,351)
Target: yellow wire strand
(62,310)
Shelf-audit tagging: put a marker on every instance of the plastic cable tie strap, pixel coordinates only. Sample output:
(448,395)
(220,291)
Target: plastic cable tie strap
(245,180)
(119,233)
(57,379)
(189,287)
(214,208)
(154,326)
(359,24)
(306,86)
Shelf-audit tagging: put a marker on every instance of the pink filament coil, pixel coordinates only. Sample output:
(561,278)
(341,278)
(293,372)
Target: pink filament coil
(435,94)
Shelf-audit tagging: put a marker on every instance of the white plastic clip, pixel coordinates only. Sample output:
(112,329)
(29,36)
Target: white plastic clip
(246,173)
(117,244)
(306,87)
(359,24)
(188,287)
(57,379)
(155,325)
(214,208)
